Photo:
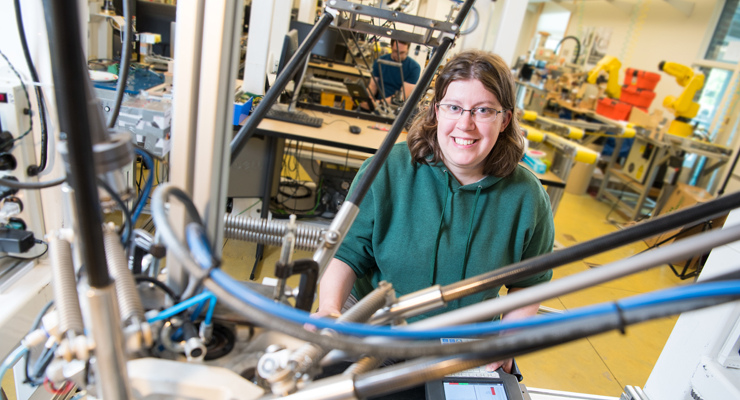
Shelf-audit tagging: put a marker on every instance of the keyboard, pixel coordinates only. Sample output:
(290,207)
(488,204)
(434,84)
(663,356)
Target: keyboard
(295,118)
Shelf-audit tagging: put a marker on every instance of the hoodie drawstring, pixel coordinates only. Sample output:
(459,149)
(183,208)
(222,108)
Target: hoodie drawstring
(433,269)
(470,233)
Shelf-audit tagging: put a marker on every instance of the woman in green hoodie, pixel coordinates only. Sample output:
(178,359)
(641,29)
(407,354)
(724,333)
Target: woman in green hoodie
(450,203)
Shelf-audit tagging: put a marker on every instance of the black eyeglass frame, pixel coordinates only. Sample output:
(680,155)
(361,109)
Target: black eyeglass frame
(472,114)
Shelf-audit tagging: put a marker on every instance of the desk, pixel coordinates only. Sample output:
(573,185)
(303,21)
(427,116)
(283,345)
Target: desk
(338,69)
(333,133)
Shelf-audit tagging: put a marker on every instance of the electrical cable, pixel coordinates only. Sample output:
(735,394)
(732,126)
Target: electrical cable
(128,224)
(124,65)
(144,194)
(32,185)
(33,170)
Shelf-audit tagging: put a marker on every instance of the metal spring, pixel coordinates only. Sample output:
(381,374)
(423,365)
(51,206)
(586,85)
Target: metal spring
(271,227)
(129,301)
(65,286)
(307,355)
(365,308)
(302,243)
(365,364)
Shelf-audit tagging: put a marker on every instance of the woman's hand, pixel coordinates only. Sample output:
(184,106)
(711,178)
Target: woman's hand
(325,313)
(507,364)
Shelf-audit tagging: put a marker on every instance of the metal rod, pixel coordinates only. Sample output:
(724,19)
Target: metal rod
(531,266)
(110,361)
(494,307)
(72,93)
(295,63)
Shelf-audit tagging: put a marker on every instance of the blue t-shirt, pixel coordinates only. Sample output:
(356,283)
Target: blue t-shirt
(392,75)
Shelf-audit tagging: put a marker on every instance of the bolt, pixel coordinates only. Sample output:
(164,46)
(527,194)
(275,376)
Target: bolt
(389,33)
(332,236)
(454,27)
(355,7)
(432,24)
(333,2)
(395,14)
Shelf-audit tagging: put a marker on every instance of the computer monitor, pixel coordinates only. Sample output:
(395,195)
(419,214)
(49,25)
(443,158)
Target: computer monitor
(157,18)
(325,47)
(290,46)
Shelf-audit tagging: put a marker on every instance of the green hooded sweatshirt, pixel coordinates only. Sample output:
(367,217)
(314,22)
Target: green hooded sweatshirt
(418,227)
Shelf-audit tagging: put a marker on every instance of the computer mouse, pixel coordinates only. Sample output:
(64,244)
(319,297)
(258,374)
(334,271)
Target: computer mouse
(355,129)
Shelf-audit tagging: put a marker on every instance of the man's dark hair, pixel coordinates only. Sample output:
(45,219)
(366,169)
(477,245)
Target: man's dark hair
(398,41)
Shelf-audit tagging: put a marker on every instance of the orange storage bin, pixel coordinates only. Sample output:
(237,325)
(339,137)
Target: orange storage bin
(642,79)
(613,109)
(635,96)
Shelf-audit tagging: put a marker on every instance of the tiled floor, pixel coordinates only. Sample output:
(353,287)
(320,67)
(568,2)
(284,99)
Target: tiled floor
(602,364)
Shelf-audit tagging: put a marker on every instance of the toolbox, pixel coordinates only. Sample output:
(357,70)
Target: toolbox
(613,109)
(635,96)
(641,79)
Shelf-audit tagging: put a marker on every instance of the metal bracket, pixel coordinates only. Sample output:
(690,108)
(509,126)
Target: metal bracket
(446,29)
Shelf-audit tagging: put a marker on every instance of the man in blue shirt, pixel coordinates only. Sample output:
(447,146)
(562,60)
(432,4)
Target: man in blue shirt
(392,81)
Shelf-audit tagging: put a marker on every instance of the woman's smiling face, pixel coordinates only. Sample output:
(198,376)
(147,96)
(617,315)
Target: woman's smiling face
(465,142)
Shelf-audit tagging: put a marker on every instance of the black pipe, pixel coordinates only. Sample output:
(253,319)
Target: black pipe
(578,49)
(729,174)
(421,87)
(33,170)
(523,269)
(309,270)
(295,63)
(72,82)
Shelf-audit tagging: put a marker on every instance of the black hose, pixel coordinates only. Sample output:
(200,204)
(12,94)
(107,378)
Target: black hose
(309,270)
(296,62)
(73,87)
(578,47)
(32,185)
(542,263)
(33,170)
(128,226)
(161,285)
(124,64)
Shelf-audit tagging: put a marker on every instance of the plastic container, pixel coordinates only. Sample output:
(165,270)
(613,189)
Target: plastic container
(242,110)
(642,79)
(613,109)
(635,96)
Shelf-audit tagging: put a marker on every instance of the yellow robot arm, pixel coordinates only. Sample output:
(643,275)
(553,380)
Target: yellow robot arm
(683,105)
(611,66)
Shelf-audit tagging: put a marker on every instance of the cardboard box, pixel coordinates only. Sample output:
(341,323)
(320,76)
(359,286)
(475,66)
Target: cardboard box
(685,196)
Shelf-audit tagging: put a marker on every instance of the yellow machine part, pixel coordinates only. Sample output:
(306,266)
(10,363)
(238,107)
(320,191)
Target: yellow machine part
(611,66)
(573,133)
(583,154)
(629,132)
(681,129)
(534,134)
(529,115)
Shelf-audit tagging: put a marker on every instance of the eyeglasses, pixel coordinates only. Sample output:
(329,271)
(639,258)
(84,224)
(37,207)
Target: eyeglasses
(479,114)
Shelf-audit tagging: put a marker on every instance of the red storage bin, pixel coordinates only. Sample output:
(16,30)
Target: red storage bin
(637,97)
(642,79)
(613,109)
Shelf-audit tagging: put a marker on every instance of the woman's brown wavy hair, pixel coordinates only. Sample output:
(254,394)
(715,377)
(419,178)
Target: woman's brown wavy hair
(494,74)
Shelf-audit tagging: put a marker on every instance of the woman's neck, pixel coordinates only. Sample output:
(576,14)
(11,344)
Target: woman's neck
(466,176)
